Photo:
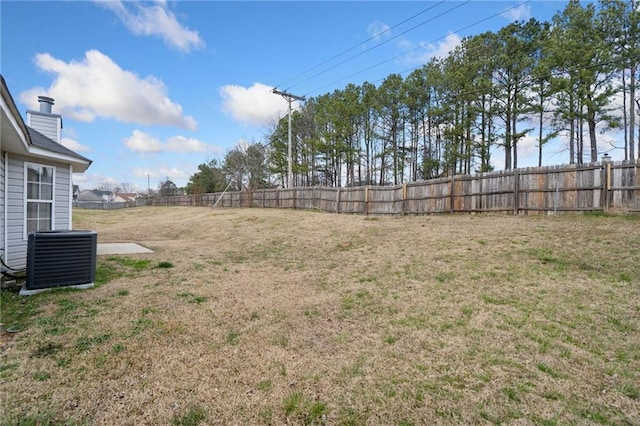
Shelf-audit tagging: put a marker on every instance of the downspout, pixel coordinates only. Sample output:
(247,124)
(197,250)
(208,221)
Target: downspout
(70,197)
(6,209)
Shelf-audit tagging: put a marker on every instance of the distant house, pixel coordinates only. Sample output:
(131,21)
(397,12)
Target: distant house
(125,197)
(36,170)
(95,196)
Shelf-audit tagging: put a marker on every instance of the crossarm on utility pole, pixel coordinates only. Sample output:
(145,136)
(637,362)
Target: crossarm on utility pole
(289,98)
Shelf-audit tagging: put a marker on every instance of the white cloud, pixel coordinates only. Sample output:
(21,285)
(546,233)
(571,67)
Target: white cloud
(160,173)
(444,47)
(255,105)
(143,142)
(425,51)
(98,87)
(74,145)
(154,20)
(182,144)
(376,29)
(522,12)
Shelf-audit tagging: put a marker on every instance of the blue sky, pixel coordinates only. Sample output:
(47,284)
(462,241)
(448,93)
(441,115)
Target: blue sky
(149,90)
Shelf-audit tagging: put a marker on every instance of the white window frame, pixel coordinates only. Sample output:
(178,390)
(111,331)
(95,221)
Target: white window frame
(37,200)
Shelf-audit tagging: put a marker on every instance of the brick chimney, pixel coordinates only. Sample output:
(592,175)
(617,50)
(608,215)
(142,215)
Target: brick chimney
(45,121)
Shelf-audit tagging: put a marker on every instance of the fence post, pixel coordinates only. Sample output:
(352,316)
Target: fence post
(366,201)
(338,201)
(516,189)
(404,198)
(606,182)
(451,194)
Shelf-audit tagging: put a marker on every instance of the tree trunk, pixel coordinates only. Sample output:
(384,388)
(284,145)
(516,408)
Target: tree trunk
(591,122)
(625,121)
(572,134)
(540,123)
(515,140)
(507,142)
(632,114)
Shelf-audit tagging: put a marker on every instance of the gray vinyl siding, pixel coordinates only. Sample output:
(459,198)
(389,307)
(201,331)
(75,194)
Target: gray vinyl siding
(16,241)
(45,124)
(62,214)
(2,204)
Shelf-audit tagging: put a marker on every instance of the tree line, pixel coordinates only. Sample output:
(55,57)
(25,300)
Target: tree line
(571,78)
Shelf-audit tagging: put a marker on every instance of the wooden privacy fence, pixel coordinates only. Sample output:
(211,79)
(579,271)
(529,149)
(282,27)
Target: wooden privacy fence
(555,189)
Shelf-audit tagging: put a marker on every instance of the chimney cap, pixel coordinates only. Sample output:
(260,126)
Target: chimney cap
(46,99)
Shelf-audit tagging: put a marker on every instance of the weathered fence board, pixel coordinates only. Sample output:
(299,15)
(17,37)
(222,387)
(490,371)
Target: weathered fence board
(539,190)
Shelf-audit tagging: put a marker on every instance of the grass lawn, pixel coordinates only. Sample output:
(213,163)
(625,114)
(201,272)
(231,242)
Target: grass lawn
(259,316)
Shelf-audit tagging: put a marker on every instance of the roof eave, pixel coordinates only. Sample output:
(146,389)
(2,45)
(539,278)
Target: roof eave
(78,165)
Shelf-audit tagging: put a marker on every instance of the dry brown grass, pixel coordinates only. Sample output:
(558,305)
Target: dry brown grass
(281,316)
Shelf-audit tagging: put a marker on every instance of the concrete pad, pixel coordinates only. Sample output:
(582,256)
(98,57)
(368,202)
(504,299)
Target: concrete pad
(25,292)
(121,248)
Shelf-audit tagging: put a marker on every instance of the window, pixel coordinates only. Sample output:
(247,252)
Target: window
(39,196)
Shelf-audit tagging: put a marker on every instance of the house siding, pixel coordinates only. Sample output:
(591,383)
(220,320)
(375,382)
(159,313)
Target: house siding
(16,242)
(48,125)
(2,223)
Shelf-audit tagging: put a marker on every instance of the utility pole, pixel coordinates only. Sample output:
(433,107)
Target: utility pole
(289,98)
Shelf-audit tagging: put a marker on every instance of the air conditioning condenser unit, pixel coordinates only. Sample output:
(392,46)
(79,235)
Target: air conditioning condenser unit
(61,258)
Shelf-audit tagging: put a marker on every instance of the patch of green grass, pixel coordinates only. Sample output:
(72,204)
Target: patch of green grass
(265,385)
(282,369)
(53,326)
(105,272)
(165,265)
(347,303)
(113,267)
(281,340)
(620,325)
(192,298)
(46,349)
(443,277)
(301,408)
(47,417)
(630,391)
(6,369)
(123,293)
(548,370)
(511,393)
(130,262)
(85,343)
(118,348)
(139,325)
(232,337)
(292,403)
(193,417)
(547,257)
(67,306)
(41,376)
(17,311)
(594,416)
(266,414)
(63,362)
(389,339)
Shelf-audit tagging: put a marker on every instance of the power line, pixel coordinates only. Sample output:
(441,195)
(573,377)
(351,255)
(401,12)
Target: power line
(360,44)
(417,48)
(382,43)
